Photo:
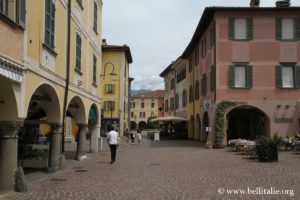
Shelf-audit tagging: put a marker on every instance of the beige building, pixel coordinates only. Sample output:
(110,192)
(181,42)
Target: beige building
(144,106)
(40,87)
(114,88)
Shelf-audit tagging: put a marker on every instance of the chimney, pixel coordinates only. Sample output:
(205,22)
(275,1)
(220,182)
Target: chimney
(254,3)
(104,42)
(283,4)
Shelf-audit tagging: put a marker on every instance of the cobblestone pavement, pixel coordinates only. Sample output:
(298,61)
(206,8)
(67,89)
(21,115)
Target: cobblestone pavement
(168,170)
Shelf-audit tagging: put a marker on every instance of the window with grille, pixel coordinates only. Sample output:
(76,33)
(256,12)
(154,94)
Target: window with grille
(94,69)
(78,52)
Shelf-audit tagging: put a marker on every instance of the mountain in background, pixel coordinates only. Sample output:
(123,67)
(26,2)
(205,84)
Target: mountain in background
(141,91)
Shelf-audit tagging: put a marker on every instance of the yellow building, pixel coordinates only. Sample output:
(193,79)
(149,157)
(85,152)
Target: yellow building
(34,78)
(114,88)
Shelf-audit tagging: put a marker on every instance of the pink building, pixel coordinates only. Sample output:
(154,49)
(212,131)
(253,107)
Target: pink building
(249,56)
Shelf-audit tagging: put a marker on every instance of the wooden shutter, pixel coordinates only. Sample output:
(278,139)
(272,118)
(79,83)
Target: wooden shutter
(278,76)
(21,13)
(297,76)
(249,76)
(249,28)
(78,52)
(94,69)
(95,16)
(231,28)
(297,34)
(49,23)
(213,79)
(278,28)
(52,25)
(231,76)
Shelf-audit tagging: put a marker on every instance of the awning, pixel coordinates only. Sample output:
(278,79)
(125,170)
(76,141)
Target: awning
(169,119)
(11,70)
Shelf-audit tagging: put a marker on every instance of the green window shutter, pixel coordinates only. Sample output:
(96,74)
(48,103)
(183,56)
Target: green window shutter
(278,76)
(49,23)
(297,34)
(52,26)
(249,28)
(297,76)
(278,28)
(21,12)
(78,52)
(249,76)
(231,28)
(231,76)
(95,17)
(94,69)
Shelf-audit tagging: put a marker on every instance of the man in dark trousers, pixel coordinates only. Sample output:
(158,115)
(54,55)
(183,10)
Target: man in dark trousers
(112,140)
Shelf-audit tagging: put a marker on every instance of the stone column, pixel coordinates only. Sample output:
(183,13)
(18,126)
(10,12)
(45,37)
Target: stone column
(95,134)
(8,154)
(55,147)
(81,143)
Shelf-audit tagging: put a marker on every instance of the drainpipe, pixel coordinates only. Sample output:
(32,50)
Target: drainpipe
(67,77)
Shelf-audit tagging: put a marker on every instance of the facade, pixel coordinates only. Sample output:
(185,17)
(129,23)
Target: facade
(33,97)
(144,106)
(114,89)
(247,59)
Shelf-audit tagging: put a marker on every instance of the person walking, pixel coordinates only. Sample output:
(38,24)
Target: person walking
(112,140)
(139,135)
(132,135)
(126,133)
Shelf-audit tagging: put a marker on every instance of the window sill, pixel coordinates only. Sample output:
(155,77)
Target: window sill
(78,71)
(12,23)
(45,46)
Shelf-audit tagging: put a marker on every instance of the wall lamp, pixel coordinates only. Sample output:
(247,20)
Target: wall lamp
(112,71)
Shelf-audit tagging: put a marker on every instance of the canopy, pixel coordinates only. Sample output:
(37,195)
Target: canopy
(169,119)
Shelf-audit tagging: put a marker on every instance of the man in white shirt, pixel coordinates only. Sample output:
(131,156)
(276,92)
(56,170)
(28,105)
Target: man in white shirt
(112,139)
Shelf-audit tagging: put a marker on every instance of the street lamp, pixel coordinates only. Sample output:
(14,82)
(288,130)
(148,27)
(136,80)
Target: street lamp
(112,71)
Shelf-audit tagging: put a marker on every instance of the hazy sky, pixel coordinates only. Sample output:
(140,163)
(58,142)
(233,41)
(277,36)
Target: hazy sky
(157,31)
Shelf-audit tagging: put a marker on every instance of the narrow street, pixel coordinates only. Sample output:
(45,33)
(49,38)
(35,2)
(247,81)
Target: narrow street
(162,170)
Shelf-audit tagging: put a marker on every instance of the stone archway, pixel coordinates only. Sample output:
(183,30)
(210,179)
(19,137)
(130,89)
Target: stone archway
(197,127)
(76,111)
(191,128)
(133,125)
(40,138)
(247,122)
(205,127)
(142,125)
(9,127)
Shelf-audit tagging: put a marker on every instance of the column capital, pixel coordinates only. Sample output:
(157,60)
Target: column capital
(9,129)
(56,128)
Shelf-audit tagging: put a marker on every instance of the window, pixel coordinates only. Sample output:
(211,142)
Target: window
(152,104)
(181,75)
(287,28)
(94,69)
(95,17)
(166,86)
(49,23)
(142,105)
(109,88)
(203,46)
(176,101)
(184,98)
(197,96)
(204,85)
(197,56)
(190,63)
(109,105)
(3,6)
(172,103)
(288,76)
(142,114)
(240,29)
(172,83)
(212,36)
(240,76)
(166,105)
(132,104)
(213,79)
(191,95)
(78,52)
(132,114)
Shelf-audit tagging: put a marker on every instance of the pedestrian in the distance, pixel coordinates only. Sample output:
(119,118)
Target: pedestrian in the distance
(139,135)
(112,140)
(126,133)
(132,135)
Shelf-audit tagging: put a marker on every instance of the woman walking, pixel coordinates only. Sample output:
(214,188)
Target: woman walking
(132,135)
(139,135)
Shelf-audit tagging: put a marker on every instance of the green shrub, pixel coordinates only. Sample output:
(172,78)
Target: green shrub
(266,150)
(277,139)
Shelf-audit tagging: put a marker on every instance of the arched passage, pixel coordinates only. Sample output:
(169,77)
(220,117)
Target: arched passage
(133,125)
(246,122)
(142,125)
(191,128)
(94,128)
(205,127)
